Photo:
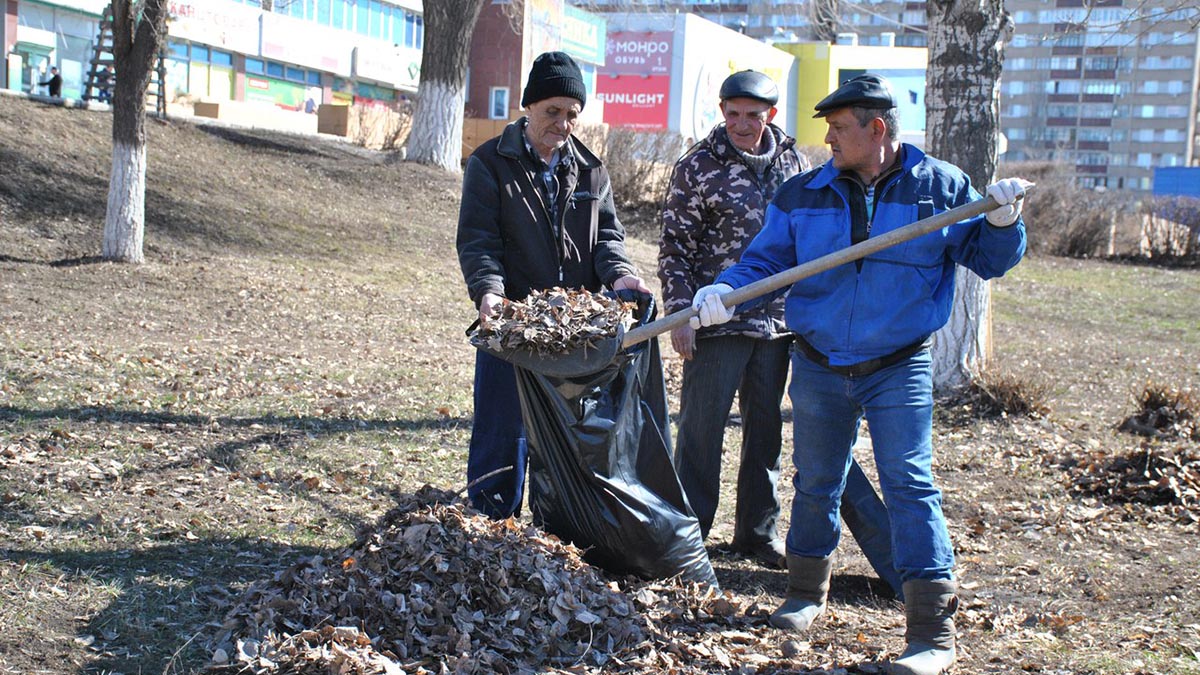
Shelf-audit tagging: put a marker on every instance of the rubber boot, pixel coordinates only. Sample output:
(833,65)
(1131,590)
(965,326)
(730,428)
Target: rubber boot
(929,608)
(808,586)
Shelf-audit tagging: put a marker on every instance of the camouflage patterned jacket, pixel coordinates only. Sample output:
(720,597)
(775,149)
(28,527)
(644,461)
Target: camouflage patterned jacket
(714,207)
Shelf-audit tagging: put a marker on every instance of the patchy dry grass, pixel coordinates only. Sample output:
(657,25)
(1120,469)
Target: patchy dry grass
(293,354)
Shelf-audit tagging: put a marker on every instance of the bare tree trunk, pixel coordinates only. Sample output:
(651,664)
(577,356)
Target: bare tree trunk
(139,28)
(966,54)
(436,136)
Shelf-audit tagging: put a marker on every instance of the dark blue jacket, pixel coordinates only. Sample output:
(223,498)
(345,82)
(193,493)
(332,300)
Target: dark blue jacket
(896,297)
(508,241)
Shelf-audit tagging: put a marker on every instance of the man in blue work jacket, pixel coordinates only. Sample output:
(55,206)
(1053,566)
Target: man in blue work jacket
(862,347)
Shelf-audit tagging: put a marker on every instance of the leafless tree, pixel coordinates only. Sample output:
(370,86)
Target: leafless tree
(139,29)
(436,136)
(966,55)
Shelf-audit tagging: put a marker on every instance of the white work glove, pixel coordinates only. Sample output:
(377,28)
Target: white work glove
(712,310)
(1006,192)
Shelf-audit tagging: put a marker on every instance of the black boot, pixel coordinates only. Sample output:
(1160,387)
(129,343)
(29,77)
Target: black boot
(929,608)
(808,586)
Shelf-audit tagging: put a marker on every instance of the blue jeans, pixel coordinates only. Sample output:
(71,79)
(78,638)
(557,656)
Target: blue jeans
(497,439)
(897,403)
(756,370)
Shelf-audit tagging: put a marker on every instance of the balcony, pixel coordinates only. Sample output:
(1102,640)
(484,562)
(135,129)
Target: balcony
(1091,168)
(1095,121)
(1091,145)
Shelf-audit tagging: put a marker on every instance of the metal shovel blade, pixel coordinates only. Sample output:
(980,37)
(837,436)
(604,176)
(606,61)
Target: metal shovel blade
(575,362)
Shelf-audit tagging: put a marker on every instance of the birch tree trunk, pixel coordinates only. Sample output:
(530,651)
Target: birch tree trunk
(966,54)
(436,136)
(139,28)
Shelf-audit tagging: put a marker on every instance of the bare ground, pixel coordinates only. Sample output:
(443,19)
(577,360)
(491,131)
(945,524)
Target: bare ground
(291,356)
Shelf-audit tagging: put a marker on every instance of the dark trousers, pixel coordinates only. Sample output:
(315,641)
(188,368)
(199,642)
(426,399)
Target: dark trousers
(756,370)
(497,439)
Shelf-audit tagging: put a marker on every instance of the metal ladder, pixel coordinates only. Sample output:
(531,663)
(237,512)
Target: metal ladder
(98,84)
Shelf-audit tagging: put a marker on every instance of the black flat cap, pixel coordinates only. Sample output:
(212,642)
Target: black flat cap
(864,91)
(750,84)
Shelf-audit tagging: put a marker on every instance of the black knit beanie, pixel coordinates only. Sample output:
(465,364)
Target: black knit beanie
(554,74)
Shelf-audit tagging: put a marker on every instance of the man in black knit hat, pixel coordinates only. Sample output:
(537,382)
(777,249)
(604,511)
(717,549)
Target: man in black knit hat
(537,212)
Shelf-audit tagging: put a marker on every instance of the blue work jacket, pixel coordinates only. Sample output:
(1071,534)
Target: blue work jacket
(893,298)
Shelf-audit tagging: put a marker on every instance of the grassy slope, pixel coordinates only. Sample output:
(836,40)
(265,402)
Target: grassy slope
(292,352)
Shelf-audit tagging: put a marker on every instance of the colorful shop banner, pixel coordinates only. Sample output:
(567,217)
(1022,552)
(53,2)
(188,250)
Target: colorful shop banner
(638,53)
(545,18)
(583,35)
(634,101)
(398,66)
(284,94)
(226,25)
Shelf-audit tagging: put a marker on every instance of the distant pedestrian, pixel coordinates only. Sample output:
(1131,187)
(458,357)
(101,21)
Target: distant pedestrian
(54,84)
(104,85)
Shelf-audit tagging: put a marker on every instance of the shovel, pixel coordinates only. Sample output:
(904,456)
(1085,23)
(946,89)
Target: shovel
(588,359)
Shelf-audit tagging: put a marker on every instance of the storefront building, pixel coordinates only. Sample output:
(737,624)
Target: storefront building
(38,35)
(821,67)
(507,38)
(306,53)
(663,72)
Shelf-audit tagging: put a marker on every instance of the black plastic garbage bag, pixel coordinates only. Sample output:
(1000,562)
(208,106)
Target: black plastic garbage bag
(600,469)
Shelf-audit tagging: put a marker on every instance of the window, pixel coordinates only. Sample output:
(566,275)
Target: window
(178,50)
(274,69)
(498,103)
(220,58)
(340,11)
(362,18)
(294,74)
(199,53)
(256,66)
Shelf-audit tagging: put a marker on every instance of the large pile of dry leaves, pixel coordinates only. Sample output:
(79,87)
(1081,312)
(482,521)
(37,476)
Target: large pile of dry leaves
(435,587)
(553,321)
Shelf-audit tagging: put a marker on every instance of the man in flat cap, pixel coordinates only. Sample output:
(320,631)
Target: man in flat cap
(537,212)
(718,196)
(862,335)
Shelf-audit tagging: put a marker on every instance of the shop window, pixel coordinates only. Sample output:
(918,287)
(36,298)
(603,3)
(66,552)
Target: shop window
(256,66)
(178,50)
(275,69)
(294,74)
(314,78)
(220,58)
(200,53)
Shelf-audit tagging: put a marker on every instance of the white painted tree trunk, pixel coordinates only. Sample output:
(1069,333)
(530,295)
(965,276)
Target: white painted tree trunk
(125,218)
(436,136)
(966,54)
(964,345)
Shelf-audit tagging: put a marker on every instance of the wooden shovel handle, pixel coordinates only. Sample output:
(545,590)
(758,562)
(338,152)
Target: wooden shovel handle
(814,267)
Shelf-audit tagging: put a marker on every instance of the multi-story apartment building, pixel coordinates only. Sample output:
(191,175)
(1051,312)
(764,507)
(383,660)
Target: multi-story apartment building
(1108,87)
(1108,90)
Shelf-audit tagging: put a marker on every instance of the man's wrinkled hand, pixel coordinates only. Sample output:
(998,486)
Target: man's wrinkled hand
(683,339)
(708,303)
(1007,192)
(490,305)
(632,283)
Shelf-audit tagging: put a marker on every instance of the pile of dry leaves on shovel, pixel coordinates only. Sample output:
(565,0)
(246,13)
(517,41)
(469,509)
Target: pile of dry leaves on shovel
(553,321)
(435,587)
